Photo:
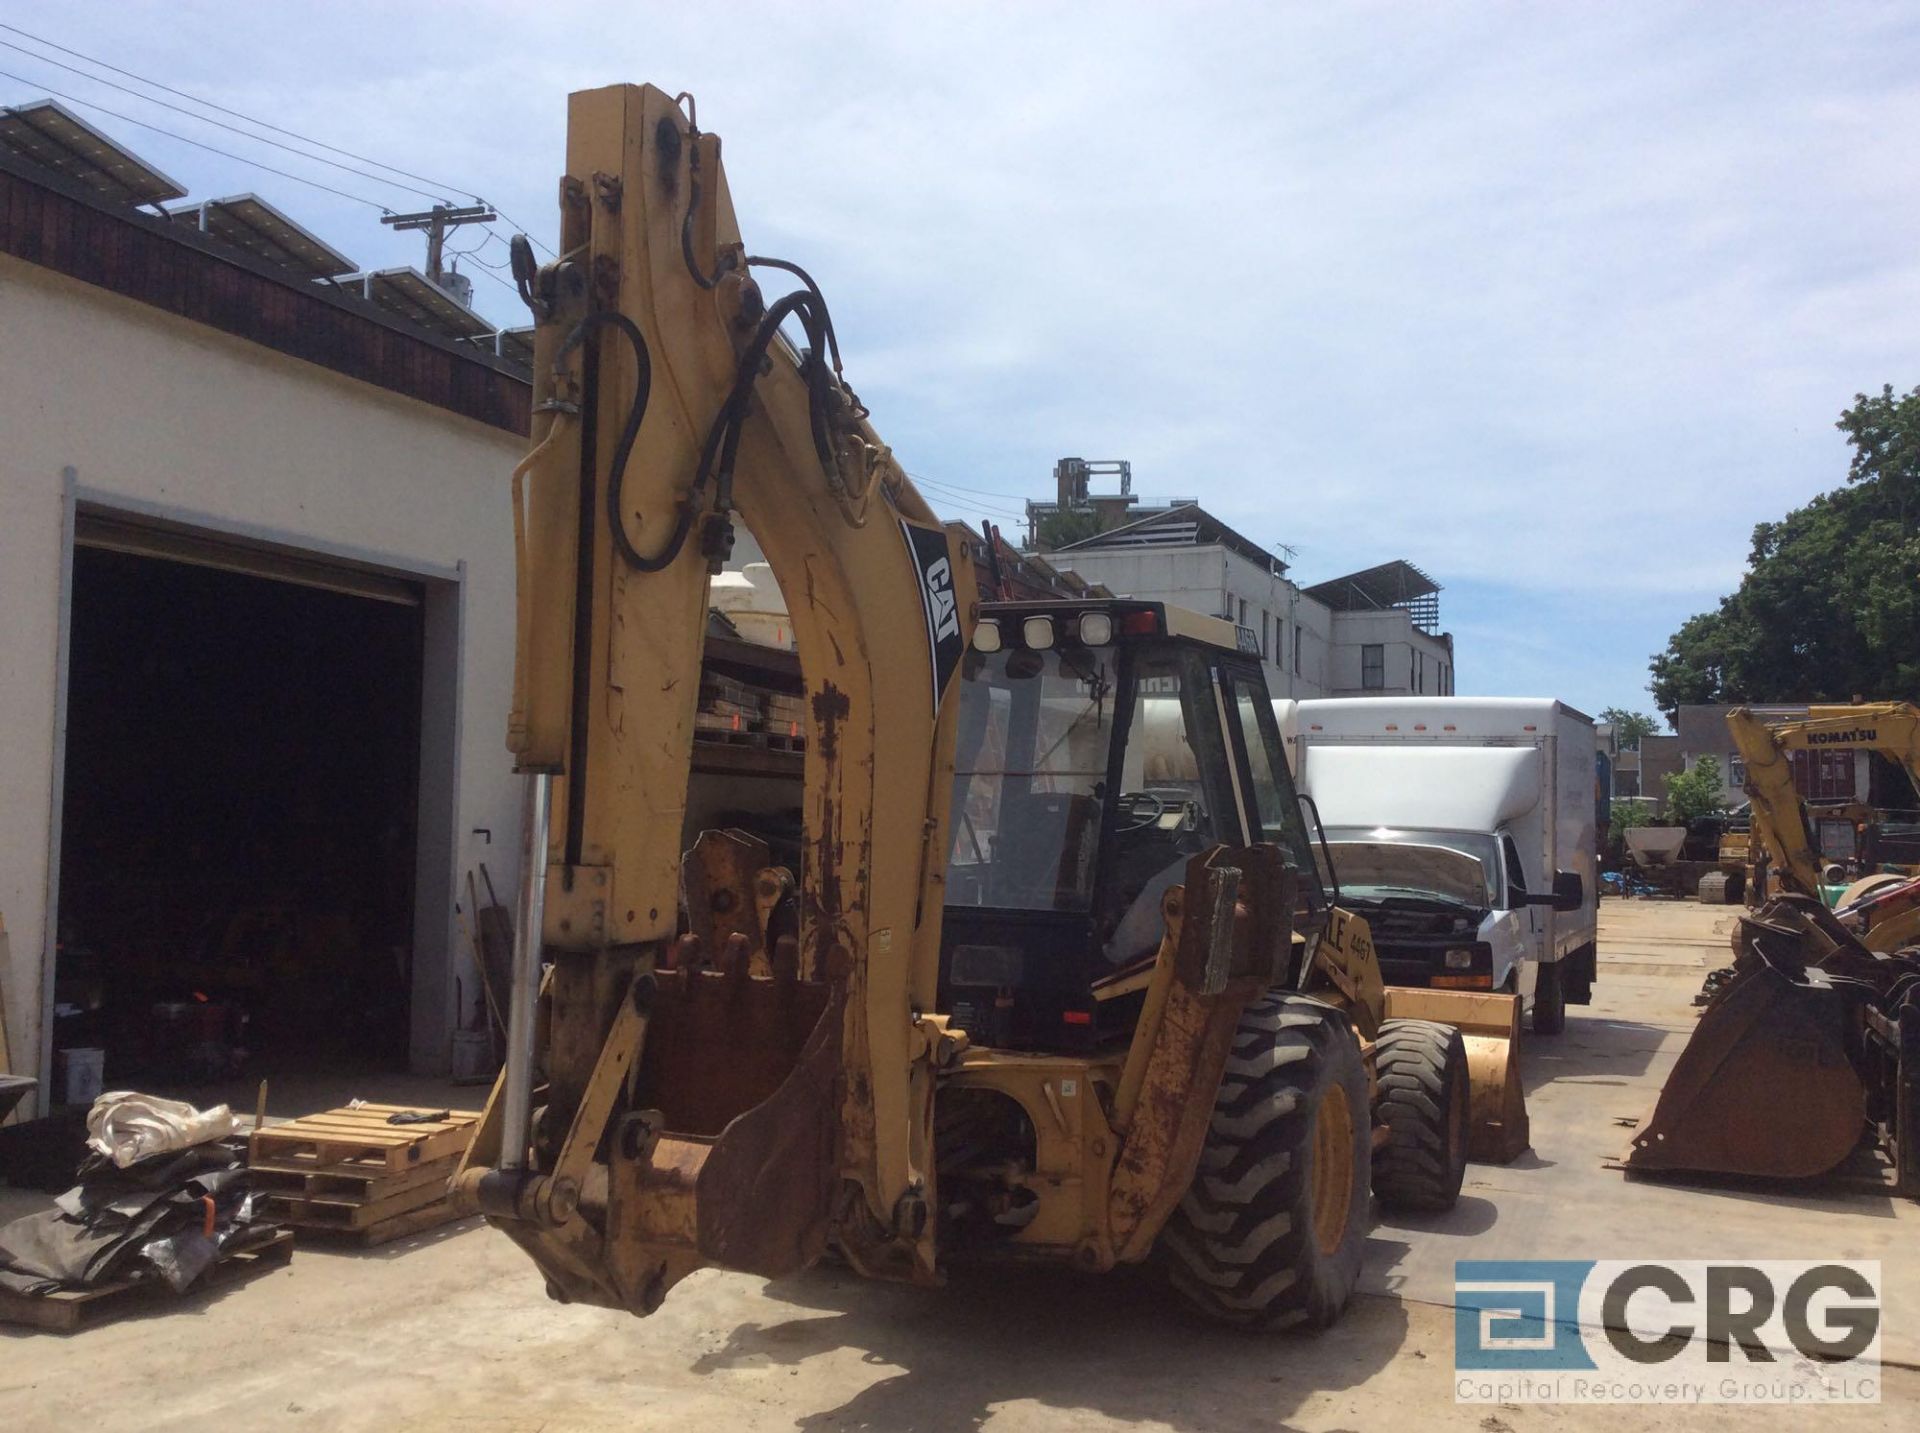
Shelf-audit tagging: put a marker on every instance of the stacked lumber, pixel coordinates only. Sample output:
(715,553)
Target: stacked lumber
(746,714)
(729,710)
(351,1172)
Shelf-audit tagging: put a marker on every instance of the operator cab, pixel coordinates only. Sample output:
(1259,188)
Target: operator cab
(1101,745)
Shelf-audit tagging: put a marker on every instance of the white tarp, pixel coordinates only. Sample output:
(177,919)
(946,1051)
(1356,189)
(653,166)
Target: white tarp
(127,1127)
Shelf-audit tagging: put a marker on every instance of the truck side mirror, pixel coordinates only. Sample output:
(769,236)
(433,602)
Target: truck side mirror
(1569,891)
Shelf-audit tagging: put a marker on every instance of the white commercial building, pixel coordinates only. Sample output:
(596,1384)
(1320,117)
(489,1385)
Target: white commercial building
(257,580)
(1366,634)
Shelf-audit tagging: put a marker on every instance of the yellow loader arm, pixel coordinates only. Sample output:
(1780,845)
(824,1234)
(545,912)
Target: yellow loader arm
(1779,818)
(693,1106)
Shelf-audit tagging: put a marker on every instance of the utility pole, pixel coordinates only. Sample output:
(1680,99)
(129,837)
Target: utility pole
(436,221)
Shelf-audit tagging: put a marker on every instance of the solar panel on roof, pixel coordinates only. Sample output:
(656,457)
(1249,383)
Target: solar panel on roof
(56,138)
(410,294)
(248,222)
(516,345)
(513,345)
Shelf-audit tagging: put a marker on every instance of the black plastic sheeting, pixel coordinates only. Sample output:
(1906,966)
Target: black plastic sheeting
(148,1221)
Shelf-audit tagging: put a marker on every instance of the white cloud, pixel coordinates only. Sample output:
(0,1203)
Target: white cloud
(1549,298)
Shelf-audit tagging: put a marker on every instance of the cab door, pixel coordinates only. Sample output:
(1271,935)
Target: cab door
(1532,919)
(1265,785)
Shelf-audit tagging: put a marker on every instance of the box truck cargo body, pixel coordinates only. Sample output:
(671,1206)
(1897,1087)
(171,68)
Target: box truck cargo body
(1463,829)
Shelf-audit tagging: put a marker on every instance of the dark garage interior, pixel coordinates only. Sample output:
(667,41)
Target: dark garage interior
(238,838)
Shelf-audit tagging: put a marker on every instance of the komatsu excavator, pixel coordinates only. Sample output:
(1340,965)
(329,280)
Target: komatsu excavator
(1883,907)
(1810,1043)
(1058,976)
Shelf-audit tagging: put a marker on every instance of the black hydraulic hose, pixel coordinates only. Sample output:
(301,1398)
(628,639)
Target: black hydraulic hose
(723,439)
(833,339)
(700,277)
(623,449)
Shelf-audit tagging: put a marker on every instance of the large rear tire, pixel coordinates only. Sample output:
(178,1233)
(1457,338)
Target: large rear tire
(1549,999)
(1270,1235)
(1424,1103)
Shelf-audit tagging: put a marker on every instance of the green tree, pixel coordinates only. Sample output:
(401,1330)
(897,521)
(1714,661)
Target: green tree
(1629,727)
(1623,815)
(1695,792)
(1063,526)
(1829,607)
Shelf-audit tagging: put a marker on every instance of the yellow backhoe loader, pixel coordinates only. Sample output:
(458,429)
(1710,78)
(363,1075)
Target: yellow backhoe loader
(1058,976)
(1810,1042)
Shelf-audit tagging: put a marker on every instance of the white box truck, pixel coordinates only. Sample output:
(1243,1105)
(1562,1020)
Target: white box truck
(1463,829)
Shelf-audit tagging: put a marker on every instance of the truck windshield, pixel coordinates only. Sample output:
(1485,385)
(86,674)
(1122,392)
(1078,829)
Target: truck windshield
(1379,862)
(1030,770)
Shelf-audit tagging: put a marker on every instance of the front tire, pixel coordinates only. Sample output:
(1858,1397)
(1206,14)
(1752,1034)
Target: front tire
(1425,1097)
(1271,1233)
(1549,999)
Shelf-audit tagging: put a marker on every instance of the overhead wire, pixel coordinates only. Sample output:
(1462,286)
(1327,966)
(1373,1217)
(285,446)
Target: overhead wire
(963,488)
(934,488)
(438,198)
(438,185)
(197,144)
(209,104)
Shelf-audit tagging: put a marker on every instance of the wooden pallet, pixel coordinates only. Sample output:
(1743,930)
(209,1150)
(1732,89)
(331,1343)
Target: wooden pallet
(414,1221)
(360,1138)
(348,1173)
(65,1310)
(353,1183)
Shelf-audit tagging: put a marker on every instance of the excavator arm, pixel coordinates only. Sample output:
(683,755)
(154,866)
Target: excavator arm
(667,1105)
(1779,818)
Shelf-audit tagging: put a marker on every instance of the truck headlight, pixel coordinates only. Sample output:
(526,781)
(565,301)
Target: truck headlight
(1459,958)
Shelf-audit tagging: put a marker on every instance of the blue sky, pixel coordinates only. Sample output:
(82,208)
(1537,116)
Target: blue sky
(1554,301)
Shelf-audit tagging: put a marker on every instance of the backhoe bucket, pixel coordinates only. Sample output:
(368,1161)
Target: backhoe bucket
(1490,1024)
(1763,1087)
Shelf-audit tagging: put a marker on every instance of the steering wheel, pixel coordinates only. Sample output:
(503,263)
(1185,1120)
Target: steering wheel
(1131,803)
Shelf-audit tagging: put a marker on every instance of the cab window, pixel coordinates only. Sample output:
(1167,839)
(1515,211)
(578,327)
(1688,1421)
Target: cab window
(1030,778)
(1516,877)
(1273,806)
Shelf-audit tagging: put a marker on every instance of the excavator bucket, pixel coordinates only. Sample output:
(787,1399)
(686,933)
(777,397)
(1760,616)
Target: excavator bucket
(1490,1024)
(1764,1085)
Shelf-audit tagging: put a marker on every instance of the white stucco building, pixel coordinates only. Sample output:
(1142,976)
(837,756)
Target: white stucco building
(257,581)
(1366,634)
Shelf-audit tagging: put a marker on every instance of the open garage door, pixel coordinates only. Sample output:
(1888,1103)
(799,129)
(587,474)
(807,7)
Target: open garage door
(239,842)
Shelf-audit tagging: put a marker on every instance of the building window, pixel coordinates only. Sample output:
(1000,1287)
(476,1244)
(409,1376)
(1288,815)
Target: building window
(1243,611)
(1373,667)
(1297,631)
(1420,669)
(1266,636)
(1736,772)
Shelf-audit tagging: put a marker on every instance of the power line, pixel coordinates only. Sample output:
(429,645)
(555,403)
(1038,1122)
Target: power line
(956,491)
(261,123)
(209,104)
(510,288)
(963,500)
(197,144)
(551,253)
(963,488)
(230,128)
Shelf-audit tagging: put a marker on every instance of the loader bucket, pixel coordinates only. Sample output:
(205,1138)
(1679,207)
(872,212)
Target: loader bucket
(1490,1024)
(1764,1085)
